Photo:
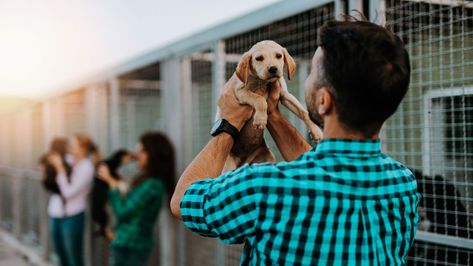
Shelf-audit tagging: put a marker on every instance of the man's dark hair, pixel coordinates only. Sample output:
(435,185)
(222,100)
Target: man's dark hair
(366,68)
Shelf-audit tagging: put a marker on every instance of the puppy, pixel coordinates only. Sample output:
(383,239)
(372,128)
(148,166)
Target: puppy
(261,67)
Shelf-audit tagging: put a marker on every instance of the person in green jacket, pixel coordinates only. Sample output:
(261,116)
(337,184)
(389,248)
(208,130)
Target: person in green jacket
(136,208)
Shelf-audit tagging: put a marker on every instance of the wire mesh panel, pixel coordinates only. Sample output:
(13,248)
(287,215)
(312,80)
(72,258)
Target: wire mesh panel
(201,114)
(139,109)
(298,34)
(96,105)
(139,104)
(73,108)
(37,132)
(31,191)
(200,250)
(431,132)
(6,185)
(6,125)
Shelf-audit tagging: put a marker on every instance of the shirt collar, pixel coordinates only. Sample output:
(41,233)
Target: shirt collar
(349,147)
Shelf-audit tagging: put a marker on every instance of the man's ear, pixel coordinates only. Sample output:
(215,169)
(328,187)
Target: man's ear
(244,67)
(290,63)
(324,101)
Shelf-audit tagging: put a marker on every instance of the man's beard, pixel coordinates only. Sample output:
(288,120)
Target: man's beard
(315,116)
(312,109)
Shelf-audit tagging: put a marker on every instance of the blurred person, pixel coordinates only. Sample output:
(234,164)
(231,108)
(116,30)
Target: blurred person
(442,211)
(48,171)
(443,205)
(67,210)
(137,210)
(343,202)
(99,199)
(424,222)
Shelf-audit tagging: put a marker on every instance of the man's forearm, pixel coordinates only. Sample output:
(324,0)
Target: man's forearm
(208,163)
(290,143)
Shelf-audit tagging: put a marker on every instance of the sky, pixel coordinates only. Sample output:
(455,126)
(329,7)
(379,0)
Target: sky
(46,43)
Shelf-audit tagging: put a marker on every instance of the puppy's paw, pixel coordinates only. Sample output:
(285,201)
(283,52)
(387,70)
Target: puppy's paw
(315,133)
(260,120)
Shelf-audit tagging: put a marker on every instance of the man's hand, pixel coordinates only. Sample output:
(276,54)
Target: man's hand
(231,109)
(290,143)
(237,114)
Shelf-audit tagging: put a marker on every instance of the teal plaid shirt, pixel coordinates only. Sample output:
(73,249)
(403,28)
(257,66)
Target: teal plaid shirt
(136,214)
(342,203)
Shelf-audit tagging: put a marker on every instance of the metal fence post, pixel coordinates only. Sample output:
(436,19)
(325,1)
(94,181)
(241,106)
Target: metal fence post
(355,5)
(304,68)
(176,86)
(2,184)
(17,202)
(44,235)
(186,106)
(102,111)
(339,8)
(96,114)
(47,123)
(91,128)
(91,114)
(218,73)
(48,133)
(378,12)
(27,138)
(218,80)
(19,149)
(58,114)
(114,114)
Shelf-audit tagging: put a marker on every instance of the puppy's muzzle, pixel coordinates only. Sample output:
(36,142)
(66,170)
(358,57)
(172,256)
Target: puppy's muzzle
(273,70)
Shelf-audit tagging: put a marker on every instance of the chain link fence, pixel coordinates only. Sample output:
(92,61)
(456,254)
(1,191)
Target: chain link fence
(175,89)
(432,130)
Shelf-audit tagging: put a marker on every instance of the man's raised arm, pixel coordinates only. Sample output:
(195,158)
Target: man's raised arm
(290,143)
(210,161)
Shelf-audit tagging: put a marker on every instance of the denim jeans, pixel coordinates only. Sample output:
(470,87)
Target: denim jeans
(68,239)
(123,256)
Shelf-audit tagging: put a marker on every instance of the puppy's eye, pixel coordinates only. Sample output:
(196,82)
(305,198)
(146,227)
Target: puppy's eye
(259,58)
(278,56)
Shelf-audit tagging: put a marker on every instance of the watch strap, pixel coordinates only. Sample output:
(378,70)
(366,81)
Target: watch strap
(230,129)
(225,126)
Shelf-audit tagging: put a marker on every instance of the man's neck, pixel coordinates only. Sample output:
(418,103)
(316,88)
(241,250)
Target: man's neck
(337,131)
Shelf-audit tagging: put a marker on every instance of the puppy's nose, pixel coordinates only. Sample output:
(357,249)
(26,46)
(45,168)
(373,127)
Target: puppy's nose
(273,70)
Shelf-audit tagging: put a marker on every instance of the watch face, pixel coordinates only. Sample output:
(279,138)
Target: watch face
(216,126)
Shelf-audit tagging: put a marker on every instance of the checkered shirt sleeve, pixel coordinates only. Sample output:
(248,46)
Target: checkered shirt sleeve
(224,207)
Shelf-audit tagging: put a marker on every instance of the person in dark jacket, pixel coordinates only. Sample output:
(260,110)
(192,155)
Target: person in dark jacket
(444,212)
(100,189)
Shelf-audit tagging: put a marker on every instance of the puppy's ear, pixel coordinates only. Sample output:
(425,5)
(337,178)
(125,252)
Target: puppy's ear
(290,64)
(244,67)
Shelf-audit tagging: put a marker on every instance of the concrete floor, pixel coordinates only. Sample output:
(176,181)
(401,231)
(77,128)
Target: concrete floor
(9,257)
(15,253)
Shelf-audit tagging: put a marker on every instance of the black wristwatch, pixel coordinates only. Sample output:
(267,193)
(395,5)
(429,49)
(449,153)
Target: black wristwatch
(223,125)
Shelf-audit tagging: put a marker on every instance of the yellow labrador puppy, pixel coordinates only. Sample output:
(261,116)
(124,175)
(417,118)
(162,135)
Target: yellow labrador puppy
(261,66)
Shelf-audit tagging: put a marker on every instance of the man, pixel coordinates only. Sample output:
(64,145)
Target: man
(343,202)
